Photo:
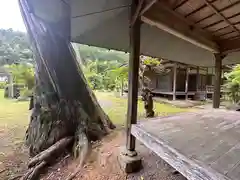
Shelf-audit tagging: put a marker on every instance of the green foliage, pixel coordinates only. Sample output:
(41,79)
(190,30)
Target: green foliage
(22,74)
(26,92)
(14,47)
(151,61)
(232,84)
(2,85)
(89,53)
(103,74)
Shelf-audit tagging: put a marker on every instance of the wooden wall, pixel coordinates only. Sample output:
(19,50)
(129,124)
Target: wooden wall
(164,82)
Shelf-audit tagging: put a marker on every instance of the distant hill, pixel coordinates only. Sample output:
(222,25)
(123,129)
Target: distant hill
(14,47)
(100,54)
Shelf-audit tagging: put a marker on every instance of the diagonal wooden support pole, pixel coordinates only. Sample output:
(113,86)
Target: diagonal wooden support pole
(148,6)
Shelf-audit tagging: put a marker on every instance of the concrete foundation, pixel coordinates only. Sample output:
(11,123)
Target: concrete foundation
(129,161)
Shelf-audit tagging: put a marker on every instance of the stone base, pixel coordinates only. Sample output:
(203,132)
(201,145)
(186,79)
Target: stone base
(129,162)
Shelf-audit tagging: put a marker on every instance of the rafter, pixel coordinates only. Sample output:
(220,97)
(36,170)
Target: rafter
(213,24)
(198,9)
(223,34)
(168,20)
(223,9)
(180,4)
(221,15)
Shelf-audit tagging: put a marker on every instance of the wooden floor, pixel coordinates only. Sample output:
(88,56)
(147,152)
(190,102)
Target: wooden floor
(200,145)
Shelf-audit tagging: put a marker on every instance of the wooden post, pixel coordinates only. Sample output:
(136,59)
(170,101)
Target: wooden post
(174,81)
(186,82)
(133,76)
(217,84)
(207,83)
(197,79)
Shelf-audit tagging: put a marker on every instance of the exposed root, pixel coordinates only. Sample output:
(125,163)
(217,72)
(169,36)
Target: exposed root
(34,172)
(52,151)
(16,177)
(41,160)
(82,149)
(2,171)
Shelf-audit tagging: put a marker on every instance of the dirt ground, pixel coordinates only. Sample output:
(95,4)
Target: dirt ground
(102,164)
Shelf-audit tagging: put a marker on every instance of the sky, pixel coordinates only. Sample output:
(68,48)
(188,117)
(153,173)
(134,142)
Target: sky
(10,16)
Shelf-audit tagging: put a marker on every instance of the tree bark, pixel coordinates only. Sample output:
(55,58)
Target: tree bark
(64,105)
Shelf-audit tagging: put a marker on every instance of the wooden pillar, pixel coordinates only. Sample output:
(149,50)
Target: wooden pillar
(217,83)
(133,76)
(174,81)
(186,82)
(207,83)
(197,79)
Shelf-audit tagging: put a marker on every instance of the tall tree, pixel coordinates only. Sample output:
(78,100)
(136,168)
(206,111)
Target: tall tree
(64,105)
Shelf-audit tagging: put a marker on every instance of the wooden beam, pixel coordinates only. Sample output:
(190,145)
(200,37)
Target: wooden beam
(148,6)
(186,82)
(167,20)
(198,9)
(210,5)
(174,81)
(180,4)
(220,10)
(217,83)
(229,46)
(133,76)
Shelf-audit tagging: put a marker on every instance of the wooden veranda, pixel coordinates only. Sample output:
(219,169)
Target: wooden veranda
(200,145)
(196,32)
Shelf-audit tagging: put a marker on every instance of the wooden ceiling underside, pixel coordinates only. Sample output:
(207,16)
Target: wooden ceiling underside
(214,23)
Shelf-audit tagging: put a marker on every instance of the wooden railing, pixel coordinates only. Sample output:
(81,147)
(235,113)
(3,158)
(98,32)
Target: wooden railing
(210,88)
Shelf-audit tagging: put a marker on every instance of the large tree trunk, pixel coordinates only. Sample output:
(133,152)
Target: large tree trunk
(64,105)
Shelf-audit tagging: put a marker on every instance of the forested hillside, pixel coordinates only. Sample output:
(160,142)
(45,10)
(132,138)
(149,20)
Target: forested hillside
(14,47)
(104,69)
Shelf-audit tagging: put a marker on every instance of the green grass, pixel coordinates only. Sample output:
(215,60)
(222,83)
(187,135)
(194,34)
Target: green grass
(16,114)
(14,117)
(13,113)
(118,109)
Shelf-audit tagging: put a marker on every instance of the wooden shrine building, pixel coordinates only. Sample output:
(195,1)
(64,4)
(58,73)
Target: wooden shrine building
(192,82)
(206,33)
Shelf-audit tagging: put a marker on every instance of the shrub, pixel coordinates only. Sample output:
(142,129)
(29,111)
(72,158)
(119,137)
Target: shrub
(26,92)
(2,85)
